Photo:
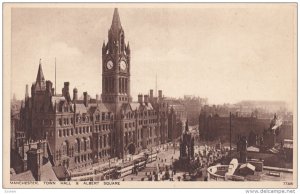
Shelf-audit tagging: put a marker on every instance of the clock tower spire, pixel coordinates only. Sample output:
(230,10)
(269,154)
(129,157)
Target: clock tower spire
(116,64)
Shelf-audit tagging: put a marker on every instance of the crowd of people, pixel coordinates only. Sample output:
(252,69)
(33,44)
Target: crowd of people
(163,169)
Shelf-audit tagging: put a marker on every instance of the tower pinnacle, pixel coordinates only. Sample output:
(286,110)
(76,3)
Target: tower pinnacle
(40,75)
(116,22)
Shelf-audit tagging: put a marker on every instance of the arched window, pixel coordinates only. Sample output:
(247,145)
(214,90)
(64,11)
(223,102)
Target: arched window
(76,145)
(82,144)
(104,138)
(85,144)
(88,143)
(65,148)
(100,142)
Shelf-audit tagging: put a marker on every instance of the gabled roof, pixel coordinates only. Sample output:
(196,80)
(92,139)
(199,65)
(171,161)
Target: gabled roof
(148,106)
(80,108)
(135,105)
(104,107)
(126,108)
(57,99)
(92,109)
(27,175)
(47,173)
(60,172)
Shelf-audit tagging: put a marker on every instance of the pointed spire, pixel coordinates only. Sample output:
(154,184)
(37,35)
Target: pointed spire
(103,48)
(116,22)
(40,75)
(26,92)
(128,47)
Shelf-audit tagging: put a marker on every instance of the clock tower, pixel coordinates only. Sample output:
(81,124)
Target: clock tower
(116,65)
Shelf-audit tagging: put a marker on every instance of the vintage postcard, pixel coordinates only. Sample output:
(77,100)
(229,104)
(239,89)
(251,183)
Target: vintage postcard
(166,95)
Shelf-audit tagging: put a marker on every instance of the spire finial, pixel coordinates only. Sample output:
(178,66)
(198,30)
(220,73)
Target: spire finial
(26,92)
(116,22)
(40,75)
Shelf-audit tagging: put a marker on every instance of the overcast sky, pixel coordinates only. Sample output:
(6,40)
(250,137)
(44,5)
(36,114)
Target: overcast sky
(225,53)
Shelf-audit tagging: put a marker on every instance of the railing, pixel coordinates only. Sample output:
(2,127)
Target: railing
(213,169)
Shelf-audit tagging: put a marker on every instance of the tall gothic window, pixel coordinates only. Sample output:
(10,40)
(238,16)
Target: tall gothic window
(120,85)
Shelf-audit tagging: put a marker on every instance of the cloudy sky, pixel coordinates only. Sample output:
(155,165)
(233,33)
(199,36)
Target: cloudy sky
(226,53)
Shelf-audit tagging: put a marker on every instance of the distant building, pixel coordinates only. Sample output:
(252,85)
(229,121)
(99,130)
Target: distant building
(212,126)
(193,106)
(176,118)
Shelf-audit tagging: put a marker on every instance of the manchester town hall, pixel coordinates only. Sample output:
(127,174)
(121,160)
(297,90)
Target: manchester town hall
(77,132)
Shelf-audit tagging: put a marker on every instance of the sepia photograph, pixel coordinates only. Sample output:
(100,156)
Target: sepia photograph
(167,95)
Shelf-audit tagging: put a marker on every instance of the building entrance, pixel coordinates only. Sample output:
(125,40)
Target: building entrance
(131,149)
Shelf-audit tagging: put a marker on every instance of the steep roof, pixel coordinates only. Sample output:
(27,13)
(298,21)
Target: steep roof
(47,174)
(24,176)
(116,22)
(148,106)
(140,106)
(40,76)
(80,108)
(60,172)
(57,99)
(135,105)
(40,84)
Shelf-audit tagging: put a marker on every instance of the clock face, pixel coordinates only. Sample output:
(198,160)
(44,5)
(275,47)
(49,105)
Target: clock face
(123,65)
(109,65)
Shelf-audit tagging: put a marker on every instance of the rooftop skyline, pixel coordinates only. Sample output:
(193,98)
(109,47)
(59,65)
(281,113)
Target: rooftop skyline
(226,55)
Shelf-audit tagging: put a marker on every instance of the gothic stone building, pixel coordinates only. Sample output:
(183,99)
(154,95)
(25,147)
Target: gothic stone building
(81,132)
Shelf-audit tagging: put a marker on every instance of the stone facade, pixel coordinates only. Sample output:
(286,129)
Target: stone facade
(82,132)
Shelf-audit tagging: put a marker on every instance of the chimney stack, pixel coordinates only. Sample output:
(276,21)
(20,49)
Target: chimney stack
(160,94)
(49,86)
(26,92)
(66,92)
(151,94)
(146,99)
(140,98)
(97,98)
(85,99)
(35,162)
(75,94)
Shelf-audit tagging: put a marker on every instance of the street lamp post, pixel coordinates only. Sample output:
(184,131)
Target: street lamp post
(151,155)
(174,145)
